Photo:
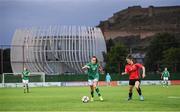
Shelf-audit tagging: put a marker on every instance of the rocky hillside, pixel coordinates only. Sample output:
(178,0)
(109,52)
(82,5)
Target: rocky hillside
(141,22)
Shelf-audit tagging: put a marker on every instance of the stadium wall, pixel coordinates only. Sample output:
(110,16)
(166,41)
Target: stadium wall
(83,77)
(85,83)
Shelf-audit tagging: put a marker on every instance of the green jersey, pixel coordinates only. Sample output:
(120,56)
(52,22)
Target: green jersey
(93,71)
(25,74)
(165,74)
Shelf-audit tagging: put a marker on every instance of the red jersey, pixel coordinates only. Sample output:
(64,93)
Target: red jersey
(133,70)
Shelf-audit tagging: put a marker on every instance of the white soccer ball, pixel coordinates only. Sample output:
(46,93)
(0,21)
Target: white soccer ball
(85,99)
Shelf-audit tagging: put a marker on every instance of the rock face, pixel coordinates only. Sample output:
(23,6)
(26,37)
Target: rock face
(142,22)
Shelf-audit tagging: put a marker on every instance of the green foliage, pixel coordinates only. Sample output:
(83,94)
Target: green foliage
(109,44)
(157,47)
(172,56)
(116,57)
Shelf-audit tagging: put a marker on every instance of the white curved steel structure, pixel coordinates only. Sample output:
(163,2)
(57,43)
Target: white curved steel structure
(56,49)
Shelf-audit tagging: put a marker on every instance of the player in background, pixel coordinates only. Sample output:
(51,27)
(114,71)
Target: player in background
(93,70)
(25,79)
(108,79)
(132,69)
(165,76)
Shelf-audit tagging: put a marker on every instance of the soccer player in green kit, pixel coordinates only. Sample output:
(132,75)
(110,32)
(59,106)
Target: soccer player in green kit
(93,69)
(165,75)
(25,79)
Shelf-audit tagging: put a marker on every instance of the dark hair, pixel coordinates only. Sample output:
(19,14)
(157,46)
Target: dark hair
(96,58)
(129,56)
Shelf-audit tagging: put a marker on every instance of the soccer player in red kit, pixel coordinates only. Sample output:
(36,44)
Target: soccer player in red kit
(132,69)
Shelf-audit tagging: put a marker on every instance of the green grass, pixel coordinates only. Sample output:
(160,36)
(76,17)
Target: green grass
(69,99)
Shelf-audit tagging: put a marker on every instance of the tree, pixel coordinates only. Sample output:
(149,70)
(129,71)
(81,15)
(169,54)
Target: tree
(158,45)
(109,44)
(172,57)
(115,57)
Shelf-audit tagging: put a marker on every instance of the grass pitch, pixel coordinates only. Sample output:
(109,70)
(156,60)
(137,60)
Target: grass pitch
(157,98)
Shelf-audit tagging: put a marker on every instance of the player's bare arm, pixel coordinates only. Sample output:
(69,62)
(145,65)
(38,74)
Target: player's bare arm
(124,73)
(85,67)
(101,69)
(144,72)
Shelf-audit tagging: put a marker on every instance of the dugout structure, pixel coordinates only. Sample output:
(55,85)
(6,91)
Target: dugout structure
(56,49)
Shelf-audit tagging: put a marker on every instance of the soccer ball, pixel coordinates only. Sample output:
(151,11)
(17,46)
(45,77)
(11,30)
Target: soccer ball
(85,99)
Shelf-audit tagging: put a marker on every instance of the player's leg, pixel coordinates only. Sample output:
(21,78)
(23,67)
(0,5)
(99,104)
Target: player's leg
(24,85)
(97,89)
(137,85)
(131,85)
(107,83)
(163,83)
(92,93)
(27,86)
(130,92)
(91,89)
(166,81)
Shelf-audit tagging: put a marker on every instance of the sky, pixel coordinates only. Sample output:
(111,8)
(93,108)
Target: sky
(29,13)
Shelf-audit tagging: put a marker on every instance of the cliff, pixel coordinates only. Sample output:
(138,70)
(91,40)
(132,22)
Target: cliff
(141,22)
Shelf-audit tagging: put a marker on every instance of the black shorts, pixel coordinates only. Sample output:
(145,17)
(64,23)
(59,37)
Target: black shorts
(133,81)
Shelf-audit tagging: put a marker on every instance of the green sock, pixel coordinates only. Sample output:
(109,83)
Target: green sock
(97,91)
(27,88)
(92,94)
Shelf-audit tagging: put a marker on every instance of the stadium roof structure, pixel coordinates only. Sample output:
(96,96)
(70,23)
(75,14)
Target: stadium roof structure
(56,49)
